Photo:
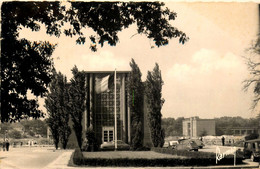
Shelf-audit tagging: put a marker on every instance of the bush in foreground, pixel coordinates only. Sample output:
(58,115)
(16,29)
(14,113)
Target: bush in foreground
(184,159)
(202,157)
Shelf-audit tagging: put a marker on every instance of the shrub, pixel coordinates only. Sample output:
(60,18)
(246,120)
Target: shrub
(78,157)
(139,162)
(15,134)
(185,158)
(252,136)
(90,144)
(205,158)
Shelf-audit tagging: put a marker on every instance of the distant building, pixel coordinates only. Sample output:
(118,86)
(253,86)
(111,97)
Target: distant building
(195,127)
(239,131)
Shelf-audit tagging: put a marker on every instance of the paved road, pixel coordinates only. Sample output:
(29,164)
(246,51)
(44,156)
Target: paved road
(28,157)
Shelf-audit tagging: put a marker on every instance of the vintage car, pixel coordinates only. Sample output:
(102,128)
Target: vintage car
(173,144)
(187,144)
(198,142)
(111,145)
(252,149)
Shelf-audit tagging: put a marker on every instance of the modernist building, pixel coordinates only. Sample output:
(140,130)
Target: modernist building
(195,127)
(100,114)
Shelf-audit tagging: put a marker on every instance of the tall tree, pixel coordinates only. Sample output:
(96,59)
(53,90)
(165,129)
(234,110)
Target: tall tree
(77,105)
(155,102)
(56,104)
(53,112)
(63,102)
(135,91)
(253,65)
(26,66)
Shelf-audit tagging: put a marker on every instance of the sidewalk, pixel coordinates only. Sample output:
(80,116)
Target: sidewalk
(62,163)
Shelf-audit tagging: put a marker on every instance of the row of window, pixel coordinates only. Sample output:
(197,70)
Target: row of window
(110,103)
(108,95)
(107,110)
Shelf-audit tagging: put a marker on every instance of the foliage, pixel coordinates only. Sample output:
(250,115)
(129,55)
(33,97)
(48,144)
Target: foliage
(208,158)
(5,127)
(77,104)
(109,18)
(15,134)
(53,112)
(77,156)
(253,66)
(36,126)
(56,104)
(26,128)
(224,124)
(63,100)
(31,133)
(172,127)
(54,128)
(92,141)
(155,102)
(26,66)
(252,136)
(135,102)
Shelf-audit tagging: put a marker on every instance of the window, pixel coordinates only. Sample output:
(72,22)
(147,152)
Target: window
(108,134)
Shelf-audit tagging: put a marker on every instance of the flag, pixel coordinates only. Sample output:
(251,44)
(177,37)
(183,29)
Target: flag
(102,84)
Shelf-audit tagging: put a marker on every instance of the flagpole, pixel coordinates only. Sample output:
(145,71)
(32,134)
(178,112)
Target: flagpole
(115,113)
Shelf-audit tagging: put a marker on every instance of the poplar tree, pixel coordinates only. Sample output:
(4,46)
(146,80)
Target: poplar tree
(53,112)
(56,104)
(155,102)
(135,102)
(77,104)
(64,128)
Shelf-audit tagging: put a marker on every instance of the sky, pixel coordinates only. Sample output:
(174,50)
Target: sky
(201,78)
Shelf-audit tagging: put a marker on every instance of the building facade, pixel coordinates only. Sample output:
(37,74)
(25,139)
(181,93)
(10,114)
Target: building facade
(195,127)
(100,108)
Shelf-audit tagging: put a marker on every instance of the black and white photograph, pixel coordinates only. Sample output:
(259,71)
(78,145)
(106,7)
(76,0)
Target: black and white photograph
(130,84)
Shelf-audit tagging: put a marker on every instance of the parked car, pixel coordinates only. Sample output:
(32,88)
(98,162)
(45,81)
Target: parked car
(199,143)
(111,145)
(166,144)
(188,144)
(173,144)
(252,149)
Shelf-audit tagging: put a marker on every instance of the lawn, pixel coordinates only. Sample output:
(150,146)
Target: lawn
(128,154)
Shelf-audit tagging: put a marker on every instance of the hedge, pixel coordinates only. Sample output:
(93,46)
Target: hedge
(192,159)
(207,157)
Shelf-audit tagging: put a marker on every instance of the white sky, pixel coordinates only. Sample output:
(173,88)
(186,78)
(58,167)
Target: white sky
(201,78)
